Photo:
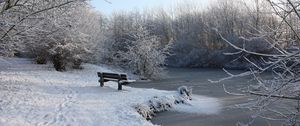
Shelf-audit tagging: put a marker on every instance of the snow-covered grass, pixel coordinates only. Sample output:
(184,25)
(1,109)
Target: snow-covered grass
(38,95)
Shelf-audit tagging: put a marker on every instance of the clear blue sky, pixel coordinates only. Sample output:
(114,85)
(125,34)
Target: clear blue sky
(119,5)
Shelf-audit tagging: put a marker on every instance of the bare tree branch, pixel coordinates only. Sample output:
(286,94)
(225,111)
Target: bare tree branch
(34,13)
(276,96)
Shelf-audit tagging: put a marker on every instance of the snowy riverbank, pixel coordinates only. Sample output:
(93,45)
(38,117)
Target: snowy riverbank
(38,95)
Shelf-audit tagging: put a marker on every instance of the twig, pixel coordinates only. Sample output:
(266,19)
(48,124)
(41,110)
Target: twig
(275,96)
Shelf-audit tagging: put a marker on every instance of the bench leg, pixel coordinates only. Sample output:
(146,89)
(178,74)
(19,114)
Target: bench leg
(119,86)
(101,82)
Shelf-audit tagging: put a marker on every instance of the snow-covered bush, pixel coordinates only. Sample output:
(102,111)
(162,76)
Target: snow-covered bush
(65,56)
(145,111)
(185,92)
(144,53)
(164,103)
(160,104)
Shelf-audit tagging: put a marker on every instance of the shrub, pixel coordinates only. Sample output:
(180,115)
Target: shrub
(145,54)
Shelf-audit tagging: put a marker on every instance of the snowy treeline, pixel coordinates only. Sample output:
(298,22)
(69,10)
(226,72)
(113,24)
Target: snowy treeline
(191,31)
(70,32)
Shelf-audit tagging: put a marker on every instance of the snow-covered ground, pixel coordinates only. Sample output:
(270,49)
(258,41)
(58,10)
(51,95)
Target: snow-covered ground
(37,95)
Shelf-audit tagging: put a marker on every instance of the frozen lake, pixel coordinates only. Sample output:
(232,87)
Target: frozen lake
(198,79)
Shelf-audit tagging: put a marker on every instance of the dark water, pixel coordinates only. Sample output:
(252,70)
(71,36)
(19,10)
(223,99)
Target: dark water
(198,79)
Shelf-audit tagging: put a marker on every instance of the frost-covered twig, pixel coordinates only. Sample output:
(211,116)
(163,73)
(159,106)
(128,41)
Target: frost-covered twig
(231,93)
(231,76)
(275,96)
(245,50)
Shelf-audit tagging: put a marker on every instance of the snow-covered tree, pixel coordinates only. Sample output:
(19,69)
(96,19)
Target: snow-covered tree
(18,17)
(49,30)
(145,54)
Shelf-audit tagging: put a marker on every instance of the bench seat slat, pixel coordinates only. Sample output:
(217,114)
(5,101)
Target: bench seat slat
(112,75)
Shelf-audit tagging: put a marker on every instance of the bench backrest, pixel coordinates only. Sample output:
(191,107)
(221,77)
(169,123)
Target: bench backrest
(112,75)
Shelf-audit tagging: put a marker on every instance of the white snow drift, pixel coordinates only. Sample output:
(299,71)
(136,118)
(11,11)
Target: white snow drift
(38,95)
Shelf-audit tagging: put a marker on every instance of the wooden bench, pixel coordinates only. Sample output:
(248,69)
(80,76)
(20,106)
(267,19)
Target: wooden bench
(120,78)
